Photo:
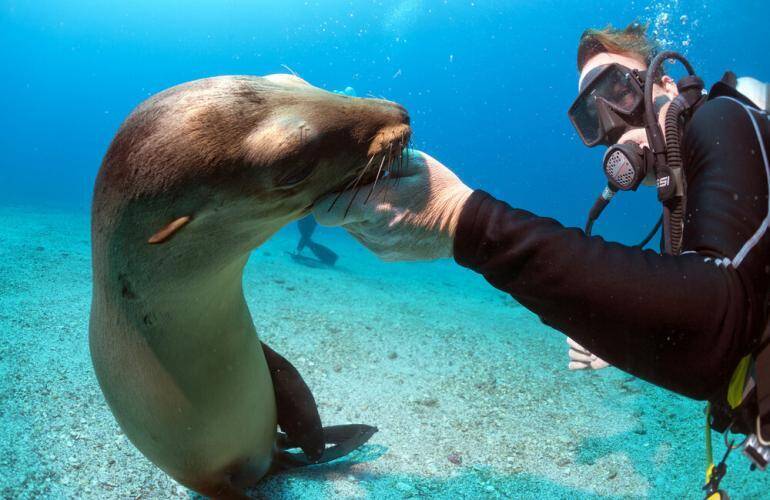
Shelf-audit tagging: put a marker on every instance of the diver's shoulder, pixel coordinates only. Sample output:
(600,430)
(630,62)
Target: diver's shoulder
(718,113)
(724,104)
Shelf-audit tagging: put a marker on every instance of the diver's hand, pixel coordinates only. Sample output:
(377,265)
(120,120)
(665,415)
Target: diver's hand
(580,358)
(411,215)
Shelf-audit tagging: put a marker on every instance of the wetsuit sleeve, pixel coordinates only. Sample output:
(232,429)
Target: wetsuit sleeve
(679,322)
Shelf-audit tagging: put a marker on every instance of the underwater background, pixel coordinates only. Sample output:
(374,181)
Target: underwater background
(470,391)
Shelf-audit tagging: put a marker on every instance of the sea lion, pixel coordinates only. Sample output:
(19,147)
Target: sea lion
(196,178)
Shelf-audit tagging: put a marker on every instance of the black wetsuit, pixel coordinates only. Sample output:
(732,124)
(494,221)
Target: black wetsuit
(681,322)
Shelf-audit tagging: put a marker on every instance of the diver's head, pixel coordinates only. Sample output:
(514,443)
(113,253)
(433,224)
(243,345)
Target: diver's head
(613,66)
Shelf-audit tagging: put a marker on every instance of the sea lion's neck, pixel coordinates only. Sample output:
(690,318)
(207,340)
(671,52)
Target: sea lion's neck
(187,283)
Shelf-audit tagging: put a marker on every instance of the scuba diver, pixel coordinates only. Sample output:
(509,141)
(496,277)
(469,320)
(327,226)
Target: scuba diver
(693,318)
(759,93)
(323,256)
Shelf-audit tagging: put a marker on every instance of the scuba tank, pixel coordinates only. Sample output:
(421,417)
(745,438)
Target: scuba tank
(757,91)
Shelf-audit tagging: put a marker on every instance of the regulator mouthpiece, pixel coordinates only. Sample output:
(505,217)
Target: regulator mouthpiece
(626,165)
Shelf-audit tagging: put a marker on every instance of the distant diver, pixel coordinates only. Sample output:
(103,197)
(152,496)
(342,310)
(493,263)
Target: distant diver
(323,256)
(348,91)
(694,317)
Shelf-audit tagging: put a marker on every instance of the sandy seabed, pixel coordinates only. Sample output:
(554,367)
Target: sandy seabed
(469,390)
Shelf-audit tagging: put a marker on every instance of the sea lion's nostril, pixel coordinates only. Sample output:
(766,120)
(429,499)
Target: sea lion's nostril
(403,114)
(394,111)
(405,117)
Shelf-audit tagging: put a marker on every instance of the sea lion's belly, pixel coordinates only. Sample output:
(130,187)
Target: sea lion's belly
(194,406)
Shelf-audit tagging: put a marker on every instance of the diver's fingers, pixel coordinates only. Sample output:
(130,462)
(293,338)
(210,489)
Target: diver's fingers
(577,347)
(598,364)
(357,205)
(579,356)
(414,162)
(338,209)
(574,365)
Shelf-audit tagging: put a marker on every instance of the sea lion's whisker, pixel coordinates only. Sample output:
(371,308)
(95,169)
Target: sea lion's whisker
(408,151)
(357,189)
(399,166)
(350,203)
(377,177)
(356,186)
(387,185)
(391,161)
(290,70)
(363,171)
(351,184)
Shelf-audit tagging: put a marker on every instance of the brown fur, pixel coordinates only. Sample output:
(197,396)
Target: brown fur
(197,177)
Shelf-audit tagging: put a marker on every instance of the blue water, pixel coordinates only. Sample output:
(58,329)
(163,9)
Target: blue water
(487,85)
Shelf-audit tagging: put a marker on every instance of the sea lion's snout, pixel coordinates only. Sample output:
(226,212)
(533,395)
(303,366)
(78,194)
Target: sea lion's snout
(394,136)
(357,139)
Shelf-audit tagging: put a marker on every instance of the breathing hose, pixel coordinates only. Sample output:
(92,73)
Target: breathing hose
(669,167)
(675,206)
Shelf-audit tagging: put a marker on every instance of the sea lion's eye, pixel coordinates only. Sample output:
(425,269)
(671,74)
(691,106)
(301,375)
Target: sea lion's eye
(294,175)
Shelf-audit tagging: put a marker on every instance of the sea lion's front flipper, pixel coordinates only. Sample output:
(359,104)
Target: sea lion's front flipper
(298,418)
(297,412)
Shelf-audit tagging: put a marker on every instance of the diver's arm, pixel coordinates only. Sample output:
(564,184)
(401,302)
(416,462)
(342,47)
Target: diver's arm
(662,318)
(680,322)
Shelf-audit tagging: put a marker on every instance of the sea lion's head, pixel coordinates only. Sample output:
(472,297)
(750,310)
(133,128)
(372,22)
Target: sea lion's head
(232,159)
(312,142)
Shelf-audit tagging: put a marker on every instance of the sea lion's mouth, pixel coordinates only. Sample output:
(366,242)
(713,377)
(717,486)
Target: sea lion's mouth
(387,156)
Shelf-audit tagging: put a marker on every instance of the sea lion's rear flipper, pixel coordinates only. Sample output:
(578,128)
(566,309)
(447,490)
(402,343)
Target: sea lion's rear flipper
(301,424)
(342,438)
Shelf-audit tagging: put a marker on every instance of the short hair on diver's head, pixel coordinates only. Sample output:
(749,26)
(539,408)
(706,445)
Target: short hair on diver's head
(632,40)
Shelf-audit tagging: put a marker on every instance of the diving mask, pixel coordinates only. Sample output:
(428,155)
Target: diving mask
(611,101)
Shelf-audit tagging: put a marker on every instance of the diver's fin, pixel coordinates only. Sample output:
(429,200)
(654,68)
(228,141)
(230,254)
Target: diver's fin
(297,411)
(301,244)
(322,253)
(342,438)
(306,261)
